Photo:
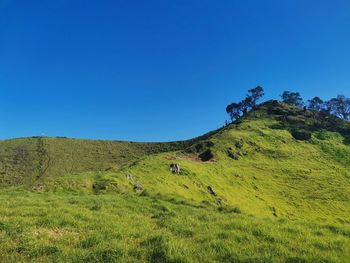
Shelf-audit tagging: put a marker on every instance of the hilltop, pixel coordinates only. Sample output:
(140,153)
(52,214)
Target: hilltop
(274,186)
(278,161)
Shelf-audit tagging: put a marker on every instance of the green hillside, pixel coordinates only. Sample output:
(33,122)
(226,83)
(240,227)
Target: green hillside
(272,187)
(28,160)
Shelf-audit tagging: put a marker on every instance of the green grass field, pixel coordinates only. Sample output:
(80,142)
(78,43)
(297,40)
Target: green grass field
(249,192)
(66,227)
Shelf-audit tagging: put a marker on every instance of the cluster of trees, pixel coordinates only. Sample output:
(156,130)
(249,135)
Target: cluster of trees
(236,110)
(338,106)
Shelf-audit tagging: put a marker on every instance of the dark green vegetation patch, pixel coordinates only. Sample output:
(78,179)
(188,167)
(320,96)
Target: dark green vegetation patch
(301,135)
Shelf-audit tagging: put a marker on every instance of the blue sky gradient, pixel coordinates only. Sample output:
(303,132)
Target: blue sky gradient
(160,70)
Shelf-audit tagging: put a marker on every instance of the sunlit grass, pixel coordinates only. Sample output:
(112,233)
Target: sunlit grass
(281,200)
(64,227)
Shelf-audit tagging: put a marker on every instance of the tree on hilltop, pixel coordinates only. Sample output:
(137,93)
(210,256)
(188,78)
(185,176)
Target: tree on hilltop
(246,104)
(236,110)
(255,94)
(316,104)
(292,98)
(339,106)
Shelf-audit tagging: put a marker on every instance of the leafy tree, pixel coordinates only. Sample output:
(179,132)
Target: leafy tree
(292,98)
(246,104)
(254,95)
(316,104)
(331,106)
(340,107)
(344,107)
(234,110)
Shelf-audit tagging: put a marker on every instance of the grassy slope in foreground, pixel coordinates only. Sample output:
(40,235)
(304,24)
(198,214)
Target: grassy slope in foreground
(283,200)
(65,227)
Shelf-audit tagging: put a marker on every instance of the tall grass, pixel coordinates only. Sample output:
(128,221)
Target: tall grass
(65,227)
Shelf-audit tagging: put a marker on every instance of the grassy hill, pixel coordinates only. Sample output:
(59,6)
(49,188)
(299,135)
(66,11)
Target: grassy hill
(28,160)
(272,187)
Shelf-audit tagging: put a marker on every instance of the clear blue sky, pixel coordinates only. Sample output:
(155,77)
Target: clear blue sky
(160,70)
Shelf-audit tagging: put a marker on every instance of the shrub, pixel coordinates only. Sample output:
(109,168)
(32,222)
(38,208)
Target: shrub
(294,119)
(301,135)
(100,185)
(206,156)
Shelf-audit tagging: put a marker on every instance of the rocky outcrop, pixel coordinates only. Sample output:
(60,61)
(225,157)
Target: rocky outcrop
(175,168)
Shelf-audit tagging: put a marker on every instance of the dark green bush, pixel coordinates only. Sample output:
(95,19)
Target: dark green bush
(206,156)
(295,119)
(100,185)
(301,135)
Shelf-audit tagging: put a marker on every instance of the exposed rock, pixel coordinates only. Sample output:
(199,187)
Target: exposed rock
(211,191)
(175,168)
(138,187)
(39,188)
(237,175)
(239,144)
(219,201)
(274,213)
(129,177)
(232,155)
